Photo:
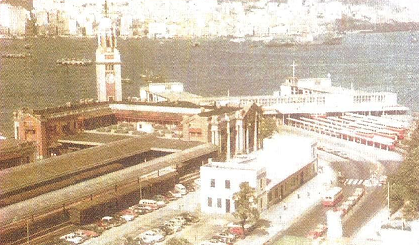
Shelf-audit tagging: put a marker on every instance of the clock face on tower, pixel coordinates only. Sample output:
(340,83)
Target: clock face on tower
(110,78)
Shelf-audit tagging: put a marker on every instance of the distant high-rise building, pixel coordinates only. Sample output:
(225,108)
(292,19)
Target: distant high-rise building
(108,63)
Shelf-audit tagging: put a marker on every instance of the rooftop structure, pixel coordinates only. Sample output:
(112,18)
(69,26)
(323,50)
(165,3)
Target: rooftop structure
(169,91)
(15,152)
(316,96)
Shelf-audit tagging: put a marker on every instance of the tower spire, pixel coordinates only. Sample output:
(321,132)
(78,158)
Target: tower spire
(106,9)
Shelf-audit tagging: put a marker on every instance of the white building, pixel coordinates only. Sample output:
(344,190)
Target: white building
(285,163)
(13,19)
(220,180)
(157,30)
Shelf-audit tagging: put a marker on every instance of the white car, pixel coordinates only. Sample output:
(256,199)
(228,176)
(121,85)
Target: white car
(174,194)
(226,235)
(151,237)
(128,217)
(160,204)
(173,225)
(73,238)
(181,189)
(180,220)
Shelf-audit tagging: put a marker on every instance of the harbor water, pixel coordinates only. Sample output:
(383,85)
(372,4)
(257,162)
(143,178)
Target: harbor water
(371,62)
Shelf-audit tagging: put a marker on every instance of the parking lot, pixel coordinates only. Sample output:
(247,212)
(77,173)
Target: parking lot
(123,228)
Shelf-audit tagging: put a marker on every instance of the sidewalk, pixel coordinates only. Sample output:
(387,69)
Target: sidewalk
(281,219)
(369,231)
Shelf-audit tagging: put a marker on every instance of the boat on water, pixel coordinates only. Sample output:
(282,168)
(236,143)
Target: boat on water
(126,80)
(237,40)
(296,40)
(413,39)
(75,62)
(16,56)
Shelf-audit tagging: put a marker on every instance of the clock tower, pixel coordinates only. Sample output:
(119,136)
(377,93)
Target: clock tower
(108,62)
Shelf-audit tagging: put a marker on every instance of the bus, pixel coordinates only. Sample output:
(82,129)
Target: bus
(332,197)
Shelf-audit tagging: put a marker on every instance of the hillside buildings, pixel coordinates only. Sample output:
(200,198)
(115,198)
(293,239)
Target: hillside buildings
(168,19)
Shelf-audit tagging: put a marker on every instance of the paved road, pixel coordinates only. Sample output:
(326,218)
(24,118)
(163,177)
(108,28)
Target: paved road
(358,164)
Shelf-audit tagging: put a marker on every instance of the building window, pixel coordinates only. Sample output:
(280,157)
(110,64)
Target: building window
(219,202)
(212,182)
(109,67)
(227,184)
(209,202)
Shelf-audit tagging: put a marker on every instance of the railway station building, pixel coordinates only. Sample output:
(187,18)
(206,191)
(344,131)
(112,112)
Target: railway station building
(282,166)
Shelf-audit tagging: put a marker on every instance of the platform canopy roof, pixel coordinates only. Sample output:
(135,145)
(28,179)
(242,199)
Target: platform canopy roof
(49,169)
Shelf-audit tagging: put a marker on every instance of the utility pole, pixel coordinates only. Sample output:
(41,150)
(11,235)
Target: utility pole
(27,231)
(293,69)
(388,199)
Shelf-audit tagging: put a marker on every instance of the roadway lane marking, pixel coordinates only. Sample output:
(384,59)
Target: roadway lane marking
(350,181)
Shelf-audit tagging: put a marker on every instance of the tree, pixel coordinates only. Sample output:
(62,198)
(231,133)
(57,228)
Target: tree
(246,208)
(178,241)
(404,189)
(268,127)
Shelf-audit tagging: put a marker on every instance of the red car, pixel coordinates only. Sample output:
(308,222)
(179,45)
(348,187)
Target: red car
(86,233)
(319,231)
(237,229)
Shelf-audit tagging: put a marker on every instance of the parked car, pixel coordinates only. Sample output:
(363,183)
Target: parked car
(181,189)
(86,233)
(174,194)
(161,198)
(319,231)
(127,215)
(213,242)
(159,231)
(93,227)
(180,219)
(226,235)
(168,230)
(107,222)
(237,229)
(173,225)
(190,217)
(151,237)
(140,210)
(73,238)
(148,203)
(225,240)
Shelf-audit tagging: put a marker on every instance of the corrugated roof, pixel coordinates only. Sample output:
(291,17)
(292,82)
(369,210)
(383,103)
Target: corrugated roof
(96,138)
(219,111)
(52,200)
(49,169)
(30,174)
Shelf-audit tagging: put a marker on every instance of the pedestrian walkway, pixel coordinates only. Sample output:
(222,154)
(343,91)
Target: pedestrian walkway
(372,182)
(370,230)
(284,214)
